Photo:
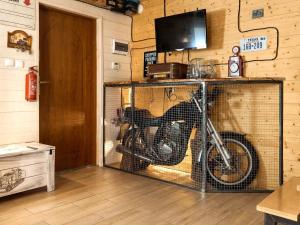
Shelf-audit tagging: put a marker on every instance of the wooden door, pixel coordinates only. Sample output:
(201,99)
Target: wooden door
(68,87)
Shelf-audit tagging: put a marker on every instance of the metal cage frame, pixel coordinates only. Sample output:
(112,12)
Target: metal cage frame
(205,84)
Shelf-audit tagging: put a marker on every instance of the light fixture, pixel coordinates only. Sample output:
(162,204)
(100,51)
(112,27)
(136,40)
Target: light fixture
(140,9)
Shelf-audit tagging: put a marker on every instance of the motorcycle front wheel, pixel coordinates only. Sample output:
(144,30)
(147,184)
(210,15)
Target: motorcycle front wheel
(244,162)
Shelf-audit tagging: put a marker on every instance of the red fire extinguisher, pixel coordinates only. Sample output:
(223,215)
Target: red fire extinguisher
(31,85)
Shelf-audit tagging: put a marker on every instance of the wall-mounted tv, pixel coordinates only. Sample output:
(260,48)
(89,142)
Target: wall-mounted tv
(182,31)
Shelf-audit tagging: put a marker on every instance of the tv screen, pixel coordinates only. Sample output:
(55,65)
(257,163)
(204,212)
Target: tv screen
(182,31)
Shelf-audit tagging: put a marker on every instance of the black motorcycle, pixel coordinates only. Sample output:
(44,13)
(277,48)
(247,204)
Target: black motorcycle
(232,161)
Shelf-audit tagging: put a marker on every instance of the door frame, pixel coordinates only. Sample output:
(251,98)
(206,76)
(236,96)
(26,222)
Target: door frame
(85,10)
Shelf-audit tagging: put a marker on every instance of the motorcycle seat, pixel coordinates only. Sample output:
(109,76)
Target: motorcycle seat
(142,117)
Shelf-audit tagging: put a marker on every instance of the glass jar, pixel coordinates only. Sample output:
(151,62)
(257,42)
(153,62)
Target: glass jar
(199,68)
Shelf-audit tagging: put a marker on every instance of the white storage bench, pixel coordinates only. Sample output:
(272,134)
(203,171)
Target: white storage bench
(26,166)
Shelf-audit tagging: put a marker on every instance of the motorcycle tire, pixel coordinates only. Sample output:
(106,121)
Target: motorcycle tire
(245,181)
(132,163)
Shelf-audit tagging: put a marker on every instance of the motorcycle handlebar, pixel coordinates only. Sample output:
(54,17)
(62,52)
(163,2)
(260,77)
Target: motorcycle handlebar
(211,95)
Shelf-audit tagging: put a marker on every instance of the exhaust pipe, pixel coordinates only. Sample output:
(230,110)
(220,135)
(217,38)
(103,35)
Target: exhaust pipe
(124,150)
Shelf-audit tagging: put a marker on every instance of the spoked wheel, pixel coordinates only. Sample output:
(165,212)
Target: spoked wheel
(244,163)
(129,162)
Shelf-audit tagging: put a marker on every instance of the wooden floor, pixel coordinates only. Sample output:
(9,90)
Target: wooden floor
(105,196)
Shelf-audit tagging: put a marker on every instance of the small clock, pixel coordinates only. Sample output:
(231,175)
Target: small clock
(235,63)
(234,67)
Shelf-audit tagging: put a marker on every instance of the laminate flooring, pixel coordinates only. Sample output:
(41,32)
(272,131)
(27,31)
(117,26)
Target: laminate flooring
(104,196)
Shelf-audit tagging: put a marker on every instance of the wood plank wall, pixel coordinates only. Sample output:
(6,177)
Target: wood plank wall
(19,120)
(223,34)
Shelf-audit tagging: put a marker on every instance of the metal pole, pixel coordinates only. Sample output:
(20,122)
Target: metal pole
(204,134)
(281,133)
(103,125)
(132,129)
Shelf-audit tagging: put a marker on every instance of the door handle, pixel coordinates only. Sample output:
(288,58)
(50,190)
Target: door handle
(45,82)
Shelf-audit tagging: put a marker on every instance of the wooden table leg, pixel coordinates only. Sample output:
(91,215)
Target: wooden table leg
(269,220)
(274,220)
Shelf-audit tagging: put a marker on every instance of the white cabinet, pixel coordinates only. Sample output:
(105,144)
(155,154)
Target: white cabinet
(26,166)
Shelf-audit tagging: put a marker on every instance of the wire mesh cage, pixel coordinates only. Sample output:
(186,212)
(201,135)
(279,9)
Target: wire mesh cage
(209,135)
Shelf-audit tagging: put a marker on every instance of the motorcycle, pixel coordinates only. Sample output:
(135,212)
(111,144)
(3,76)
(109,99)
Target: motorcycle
(232,161)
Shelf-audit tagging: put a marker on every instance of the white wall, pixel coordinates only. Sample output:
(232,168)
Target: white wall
(19,120)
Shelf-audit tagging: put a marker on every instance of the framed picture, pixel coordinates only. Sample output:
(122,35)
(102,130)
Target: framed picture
(19,40)
(149,58)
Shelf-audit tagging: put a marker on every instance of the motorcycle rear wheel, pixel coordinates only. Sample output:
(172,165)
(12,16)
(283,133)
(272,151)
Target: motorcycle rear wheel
(132,163)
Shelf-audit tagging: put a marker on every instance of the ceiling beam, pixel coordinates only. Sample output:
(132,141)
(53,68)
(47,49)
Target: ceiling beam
(97,3)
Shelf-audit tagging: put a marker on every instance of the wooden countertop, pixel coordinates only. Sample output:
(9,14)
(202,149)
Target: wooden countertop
(284,202)
(191,81)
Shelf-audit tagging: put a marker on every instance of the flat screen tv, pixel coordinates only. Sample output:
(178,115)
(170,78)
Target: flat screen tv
(182,31)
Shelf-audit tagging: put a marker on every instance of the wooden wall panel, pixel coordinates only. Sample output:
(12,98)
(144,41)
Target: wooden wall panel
(223,34)
(19,120)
